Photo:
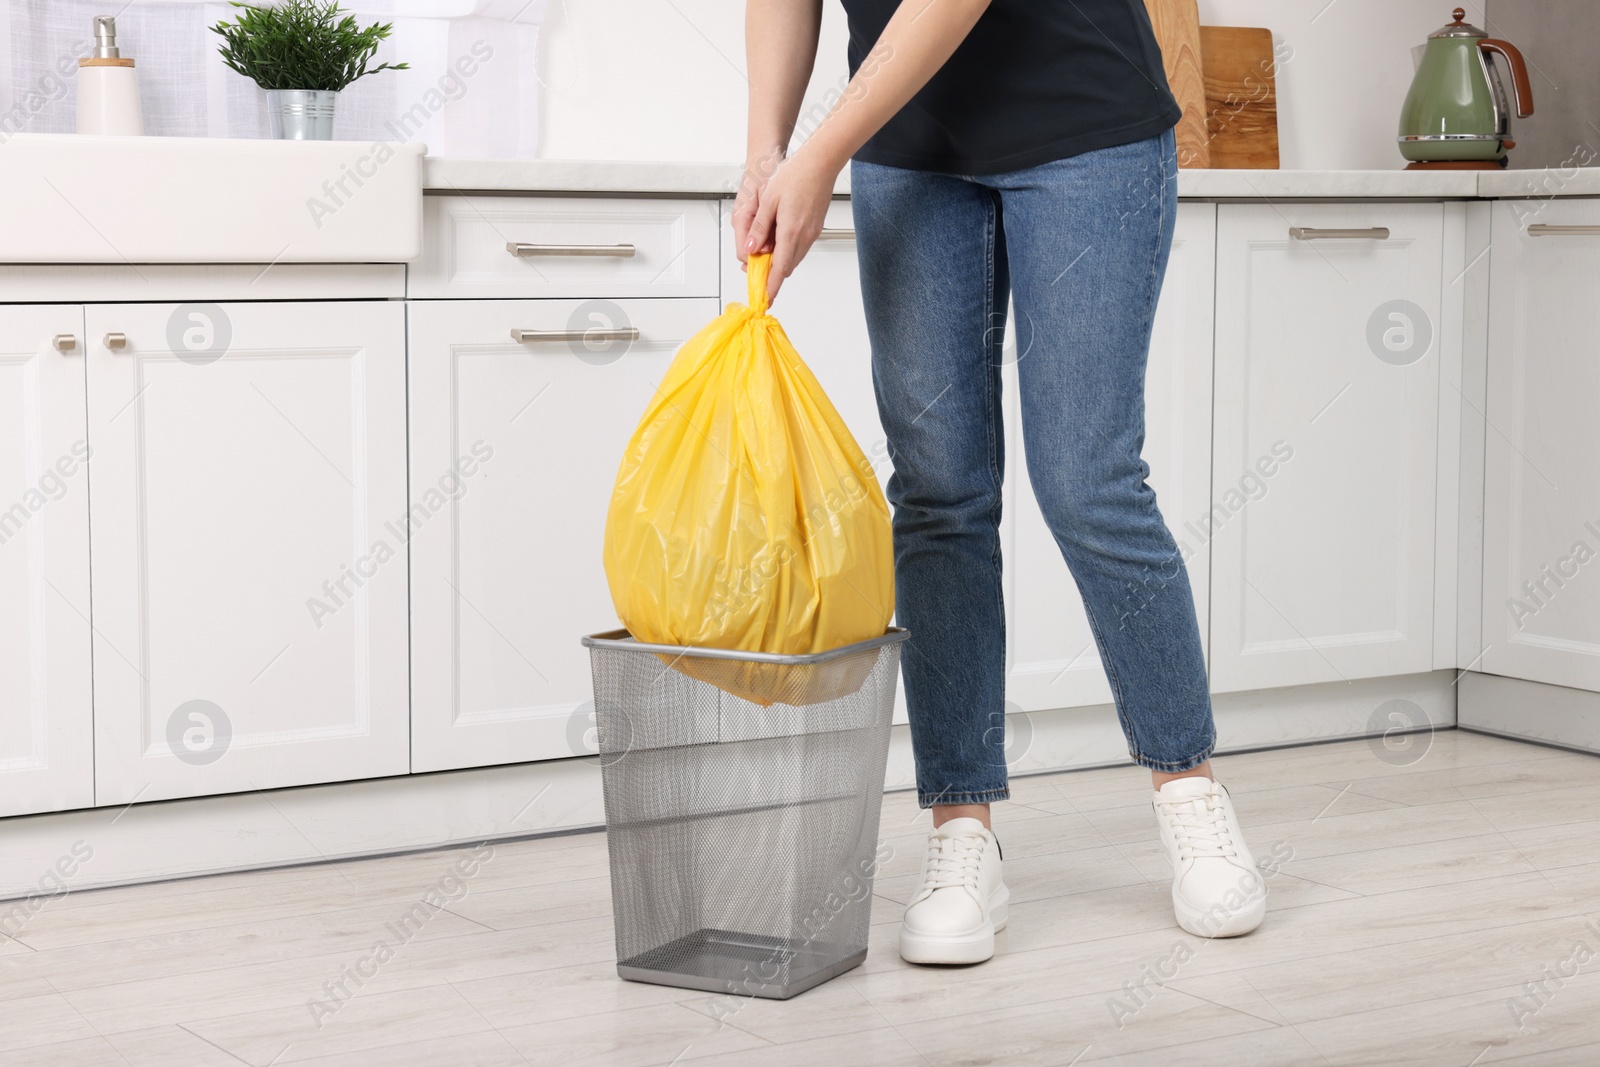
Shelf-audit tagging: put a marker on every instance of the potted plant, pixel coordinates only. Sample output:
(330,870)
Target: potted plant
(302,53)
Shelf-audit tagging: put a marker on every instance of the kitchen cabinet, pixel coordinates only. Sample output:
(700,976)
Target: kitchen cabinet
(46,723)
(569,247)
(1325,447)
(340,524)
(516,445)
(1054,662)
(249,520)
(1541,595)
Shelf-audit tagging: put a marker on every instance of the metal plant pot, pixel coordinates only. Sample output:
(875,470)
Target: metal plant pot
(301,114)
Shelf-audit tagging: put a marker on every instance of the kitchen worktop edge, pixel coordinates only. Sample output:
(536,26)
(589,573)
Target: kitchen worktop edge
(443,175)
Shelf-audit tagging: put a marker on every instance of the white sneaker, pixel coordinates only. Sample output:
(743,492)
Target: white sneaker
(1216,889)
(963,901)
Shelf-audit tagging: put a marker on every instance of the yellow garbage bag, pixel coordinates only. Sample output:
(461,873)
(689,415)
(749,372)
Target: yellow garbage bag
(745,516)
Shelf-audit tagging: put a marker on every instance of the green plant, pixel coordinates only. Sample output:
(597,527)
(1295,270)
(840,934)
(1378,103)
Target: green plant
(301,44)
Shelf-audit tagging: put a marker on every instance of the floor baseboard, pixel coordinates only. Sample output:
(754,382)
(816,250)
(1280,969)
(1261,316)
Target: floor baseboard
(59,852)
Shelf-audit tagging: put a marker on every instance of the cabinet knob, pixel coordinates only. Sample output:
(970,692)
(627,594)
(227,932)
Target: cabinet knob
(522,250)
(116,341)
(64,342)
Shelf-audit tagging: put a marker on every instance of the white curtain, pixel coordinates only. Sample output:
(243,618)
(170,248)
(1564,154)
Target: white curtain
(472,90)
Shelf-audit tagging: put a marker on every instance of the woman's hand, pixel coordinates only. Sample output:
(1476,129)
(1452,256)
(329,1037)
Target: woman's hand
(782,208)
(787,213)
(756,174)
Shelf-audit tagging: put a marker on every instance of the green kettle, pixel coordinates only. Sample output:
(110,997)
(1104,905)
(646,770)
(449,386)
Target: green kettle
(1455,117)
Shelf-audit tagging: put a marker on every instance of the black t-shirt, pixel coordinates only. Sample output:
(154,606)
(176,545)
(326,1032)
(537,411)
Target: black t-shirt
(1035,81)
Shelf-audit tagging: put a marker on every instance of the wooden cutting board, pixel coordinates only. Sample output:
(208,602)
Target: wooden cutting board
(1177,26)
(1241,105)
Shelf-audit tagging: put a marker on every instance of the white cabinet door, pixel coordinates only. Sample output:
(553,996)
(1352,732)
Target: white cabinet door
(1541,575)
(1324,465)
(46,722)
(1053,659)
(249,545)
(514,449)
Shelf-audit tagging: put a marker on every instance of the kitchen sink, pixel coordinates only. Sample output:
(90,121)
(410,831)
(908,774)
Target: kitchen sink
(77,199)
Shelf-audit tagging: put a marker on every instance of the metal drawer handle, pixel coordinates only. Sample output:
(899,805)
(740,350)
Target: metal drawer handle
(837,235)
(522,337)
(519,249)
(1312,233)
(64,342)
(1543,229)
(116,341)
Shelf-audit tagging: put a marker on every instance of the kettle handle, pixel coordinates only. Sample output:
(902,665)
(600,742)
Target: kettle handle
(1521,87)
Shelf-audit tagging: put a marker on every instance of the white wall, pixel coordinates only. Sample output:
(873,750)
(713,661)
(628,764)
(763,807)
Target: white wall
(656,79)
(665,79)
(1557,37)
(1339,95)
(470,89)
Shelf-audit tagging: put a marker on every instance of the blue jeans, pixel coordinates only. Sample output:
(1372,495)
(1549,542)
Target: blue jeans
(1080,245)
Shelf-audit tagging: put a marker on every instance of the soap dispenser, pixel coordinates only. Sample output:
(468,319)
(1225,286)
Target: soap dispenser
(108,86)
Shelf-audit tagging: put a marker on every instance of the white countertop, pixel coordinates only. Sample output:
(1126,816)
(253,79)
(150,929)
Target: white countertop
(1340,184)
(580,176)
(722,179)
(1545,181)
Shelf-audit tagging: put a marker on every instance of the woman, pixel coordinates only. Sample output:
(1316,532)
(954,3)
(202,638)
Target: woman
(1019,148)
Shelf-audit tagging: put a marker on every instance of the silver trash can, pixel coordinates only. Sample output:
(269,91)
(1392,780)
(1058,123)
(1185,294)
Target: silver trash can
(742,793)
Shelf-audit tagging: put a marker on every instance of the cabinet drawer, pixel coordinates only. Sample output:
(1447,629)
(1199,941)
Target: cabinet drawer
(527,246)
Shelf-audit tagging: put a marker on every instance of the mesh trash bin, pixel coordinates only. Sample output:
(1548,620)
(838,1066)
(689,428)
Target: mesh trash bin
(743,829)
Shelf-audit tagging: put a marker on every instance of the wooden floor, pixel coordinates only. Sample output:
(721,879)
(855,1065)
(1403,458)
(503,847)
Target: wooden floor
(1415,906)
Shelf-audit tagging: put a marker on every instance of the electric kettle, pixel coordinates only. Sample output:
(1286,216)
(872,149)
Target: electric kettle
(1456,117)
